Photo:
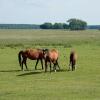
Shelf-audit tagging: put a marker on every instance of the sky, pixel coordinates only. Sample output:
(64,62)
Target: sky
(40,11)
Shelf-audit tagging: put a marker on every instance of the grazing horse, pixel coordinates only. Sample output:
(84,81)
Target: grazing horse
(51,56)
(73,58)
(33,54)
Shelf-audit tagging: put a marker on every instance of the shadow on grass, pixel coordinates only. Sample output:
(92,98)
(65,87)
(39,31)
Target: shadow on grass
(62,70)
(33,73)
(29,73)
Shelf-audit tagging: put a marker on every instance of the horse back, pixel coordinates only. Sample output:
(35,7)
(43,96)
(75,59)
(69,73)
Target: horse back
(34,54)
(53,54)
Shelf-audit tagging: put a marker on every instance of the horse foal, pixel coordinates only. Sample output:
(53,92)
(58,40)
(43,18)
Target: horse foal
(73,59)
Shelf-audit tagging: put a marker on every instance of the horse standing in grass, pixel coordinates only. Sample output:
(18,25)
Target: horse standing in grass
(73,59)
(51,56)
(33,54)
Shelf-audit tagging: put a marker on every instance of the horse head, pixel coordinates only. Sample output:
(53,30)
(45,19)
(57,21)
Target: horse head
(45,52)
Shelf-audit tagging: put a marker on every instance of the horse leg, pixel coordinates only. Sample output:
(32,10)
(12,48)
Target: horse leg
(45,66)
(73,65)
(54,67)
(22,64)
(42,63)
(25,64)
(57,65)
(50,66)
(36,64)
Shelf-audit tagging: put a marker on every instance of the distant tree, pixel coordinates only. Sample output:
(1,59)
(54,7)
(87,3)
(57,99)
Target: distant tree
(46,26)
(76,24)
(58,26)
(54,26)
(65,26)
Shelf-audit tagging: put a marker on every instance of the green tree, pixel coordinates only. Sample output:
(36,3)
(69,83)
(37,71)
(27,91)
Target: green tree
(58,26)
(65,26)
(46,26)
(76,24)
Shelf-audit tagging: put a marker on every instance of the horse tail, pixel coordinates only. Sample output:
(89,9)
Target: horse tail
(19,57)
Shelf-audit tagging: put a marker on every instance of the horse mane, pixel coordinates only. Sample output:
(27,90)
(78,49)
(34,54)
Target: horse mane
(54,50)
(73,51)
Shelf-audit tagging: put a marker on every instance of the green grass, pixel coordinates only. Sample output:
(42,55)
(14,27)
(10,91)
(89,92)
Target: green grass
(82,84)
(47,37)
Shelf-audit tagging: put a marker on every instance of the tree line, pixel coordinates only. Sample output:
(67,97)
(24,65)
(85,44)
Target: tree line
(48,25)
(19,26)
(72,24)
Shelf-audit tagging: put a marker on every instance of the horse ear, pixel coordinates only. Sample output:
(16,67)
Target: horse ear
(45,50)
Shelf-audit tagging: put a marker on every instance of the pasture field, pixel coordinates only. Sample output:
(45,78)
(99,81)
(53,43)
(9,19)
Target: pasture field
(82,84)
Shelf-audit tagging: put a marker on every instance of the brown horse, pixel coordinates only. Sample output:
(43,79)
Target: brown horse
(73,58)
(51,56)
(33,54)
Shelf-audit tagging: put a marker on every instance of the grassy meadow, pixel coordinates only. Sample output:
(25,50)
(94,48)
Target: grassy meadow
(82,84)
